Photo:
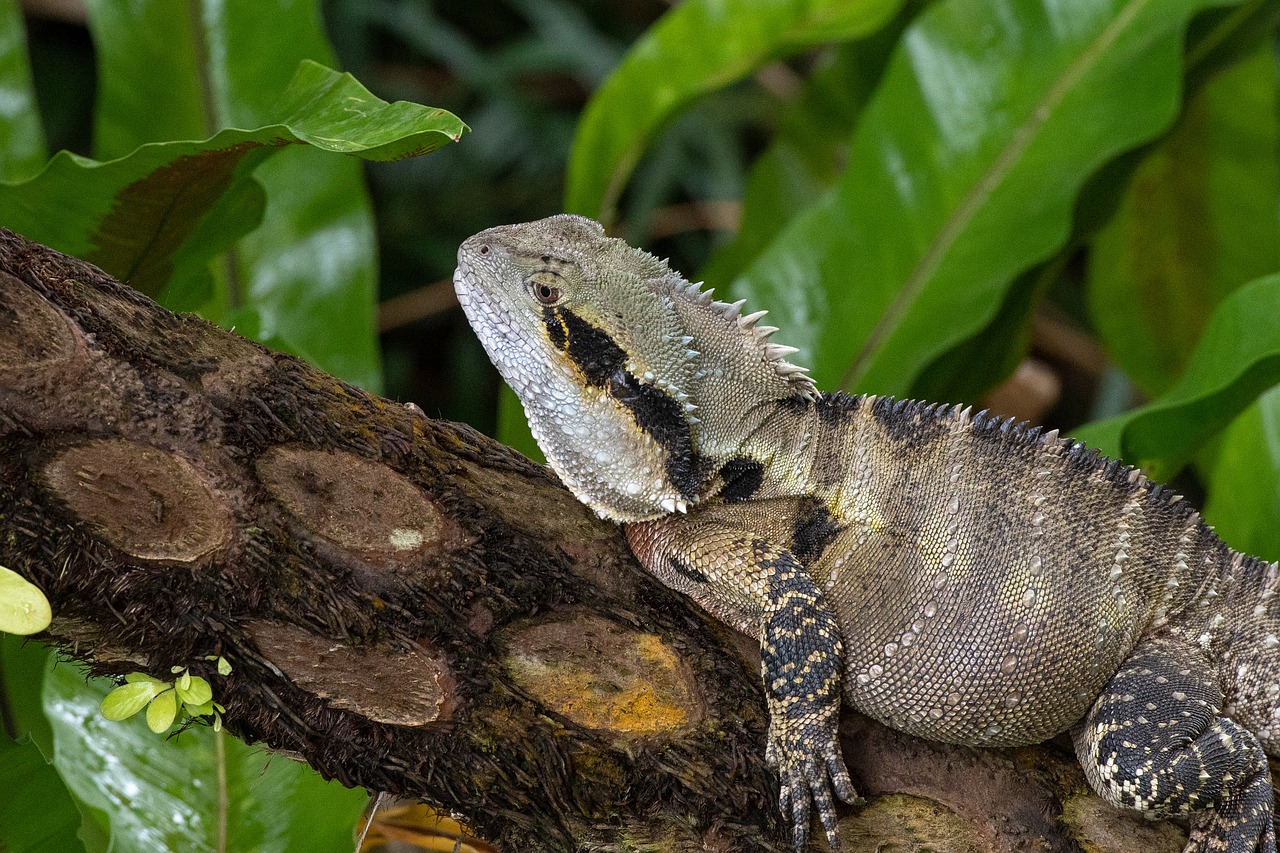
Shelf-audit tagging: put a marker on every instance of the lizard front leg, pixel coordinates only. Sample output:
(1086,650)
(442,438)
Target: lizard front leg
(760,588)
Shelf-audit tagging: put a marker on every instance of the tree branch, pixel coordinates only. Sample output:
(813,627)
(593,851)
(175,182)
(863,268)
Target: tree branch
(411,607)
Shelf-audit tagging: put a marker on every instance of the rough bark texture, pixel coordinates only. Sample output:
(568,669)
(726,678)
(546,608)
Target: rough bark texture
(411,607)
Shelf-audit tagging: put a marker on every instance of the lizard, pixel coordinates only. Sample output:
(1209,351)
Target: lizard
(954,575)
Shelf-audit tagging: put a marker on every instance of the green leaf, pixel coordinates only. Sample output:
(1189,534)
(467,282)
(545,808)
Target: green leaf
(197,692)
(23,607)
(199,710)
(1198,220)
(22,667)
(1244,480)
(224,667)
(1237,358)
(37,814)
(962,175)
(21,138)
(141,677)
(696,48)
(333,112)
(808,151)
(163,795)
(128,699)
(161,712)
(131,215)
(303,268)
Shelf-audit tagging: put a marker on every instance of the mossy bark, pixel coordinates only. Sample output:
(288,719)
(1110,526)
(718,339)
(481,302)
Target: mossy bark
(411,607)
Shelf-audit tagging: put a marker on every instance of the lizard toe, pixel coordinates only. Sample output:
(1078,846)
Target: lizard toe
(820,790)
(794,799)
(839,774)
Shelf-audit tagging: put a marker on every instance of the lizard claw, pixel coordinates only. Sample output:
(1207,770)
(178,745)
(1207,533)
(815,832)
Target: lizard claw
(808,777)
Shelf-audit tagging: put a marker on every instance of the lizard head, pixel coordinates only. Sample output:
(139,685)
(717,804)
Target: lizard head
(618,361)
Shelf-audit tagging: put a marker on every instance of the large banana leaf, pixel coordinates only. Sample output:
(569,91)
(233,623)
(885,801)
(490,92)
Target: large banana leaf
(962,174)
(1197,222)
(21,138)
(186,792)
(1235,361)
(696,48)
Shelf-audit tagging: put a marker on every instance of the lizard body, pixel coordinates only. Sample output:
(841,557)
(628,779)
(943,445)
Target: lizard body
(955,576)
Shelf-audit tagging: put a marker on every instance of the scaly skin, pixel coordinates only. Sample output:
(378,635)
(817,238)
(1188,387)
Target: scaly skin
(955,576)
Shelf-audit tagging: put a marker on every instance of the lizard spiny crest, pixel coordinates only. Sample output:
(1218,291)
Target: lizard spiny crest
(614,382)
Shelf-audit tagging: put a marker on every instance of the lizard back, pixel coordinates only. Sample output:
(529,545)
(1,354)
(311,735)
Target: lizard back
(989,578)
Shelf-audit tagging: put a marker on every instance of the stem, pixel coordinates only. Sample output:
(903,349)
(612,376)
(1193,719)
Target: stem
(220,761)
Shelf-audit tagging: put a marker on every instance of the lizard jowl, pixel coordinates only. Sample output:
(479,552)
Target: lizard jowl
(955,576)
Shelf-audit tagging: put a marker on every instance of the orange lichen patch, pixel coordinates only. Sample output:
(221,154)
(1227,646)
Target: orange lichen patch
(33,334)
(144,501)
(603,675)
(404,687)
(352,501)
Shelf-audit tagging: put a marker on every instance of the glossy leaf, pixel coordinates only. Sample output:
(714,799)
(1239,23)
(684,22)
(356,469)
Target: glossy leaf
(37,815)
(162,711)
(962,174)
(195,691)
(128,699)
(153,793)
(1236,360)
(22,667)
(807,153)
(1198,220)
(23,607)
(133,215)
(304,279)
(21,138)
(696,48)
(1244,481)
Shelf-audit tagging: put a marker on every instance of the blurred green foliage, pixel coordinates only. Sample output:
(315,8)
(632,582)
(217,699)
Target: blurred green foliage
(914,189)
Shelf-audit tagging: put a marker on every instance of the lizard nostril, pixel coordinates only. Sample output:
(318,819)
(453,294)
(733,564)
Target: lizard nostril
(484,250)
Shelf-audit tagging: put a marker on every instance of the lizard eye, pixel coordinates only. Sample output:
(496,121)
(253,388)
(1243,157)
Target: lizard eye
(543,289)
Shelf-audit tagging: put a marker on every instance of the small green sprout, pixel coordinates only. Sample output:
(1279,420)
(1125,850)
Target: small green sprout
(164,700)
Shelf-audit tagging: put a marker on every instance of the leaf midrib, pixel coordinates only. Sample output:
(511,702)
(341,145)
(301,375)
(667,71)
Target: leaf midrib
(982,189)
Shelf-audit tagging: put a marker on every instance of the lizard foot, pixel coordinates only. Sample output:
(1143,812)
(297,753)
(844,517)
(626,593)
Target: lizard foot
(810,767)
(802,661)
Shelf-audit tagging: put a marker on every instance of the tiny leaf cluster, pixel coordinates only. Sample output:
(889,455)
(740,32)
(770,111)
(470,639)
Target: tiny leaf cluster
(164,700)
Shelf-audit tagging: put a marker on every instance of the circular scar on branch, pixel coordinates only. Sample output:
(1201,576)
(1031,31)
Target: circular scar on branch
(352,501)
(33,334)
(603,675)
(142,500)
(406,687)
